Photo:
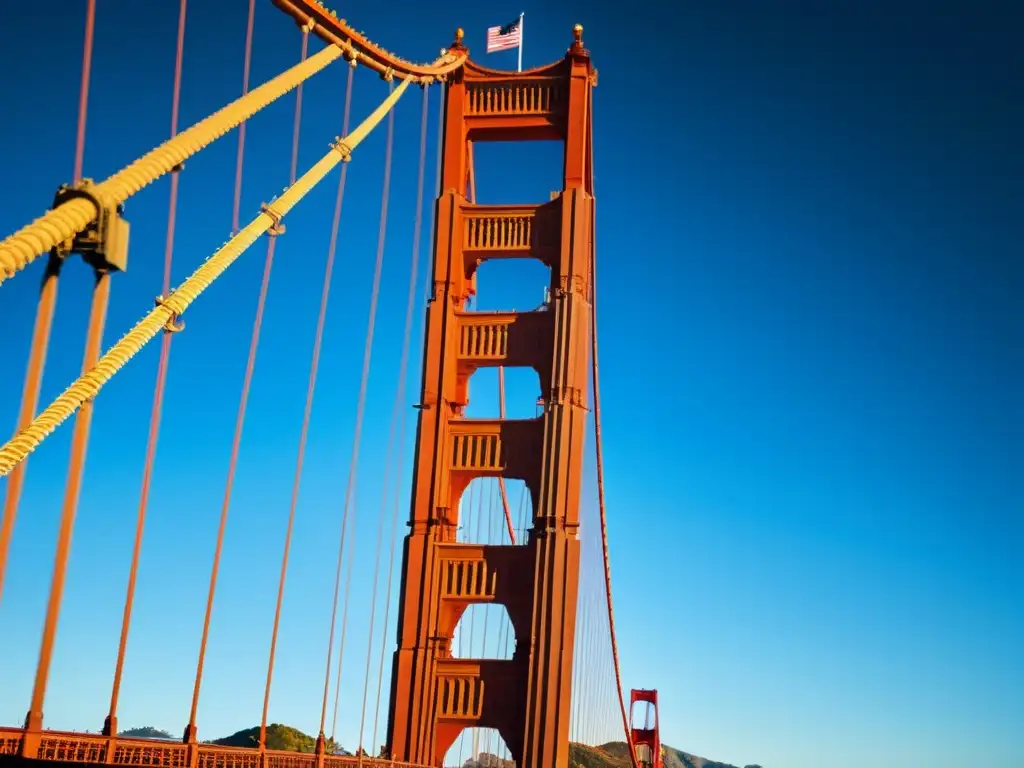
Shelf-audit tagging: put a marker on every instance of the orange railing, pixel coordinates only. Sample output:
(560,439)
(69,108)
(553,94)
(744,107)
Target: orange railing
(70,747)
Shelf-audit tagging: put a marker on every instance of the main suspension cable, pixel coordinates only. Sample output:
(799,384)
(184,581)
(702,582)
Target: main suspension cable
(296,131)
(110,725)
(45,307)
(169,309)
(66,220)
(361,405)
(358,45)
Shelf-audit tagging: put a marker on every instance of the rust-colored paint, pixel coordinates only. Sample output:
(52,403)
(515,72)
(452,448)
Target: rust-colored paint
(527,699)
(646,740)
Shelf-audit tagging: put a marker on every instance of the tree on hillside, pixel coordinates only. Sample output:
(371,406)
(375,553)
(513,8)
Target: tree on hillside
(146,732)
(279,737)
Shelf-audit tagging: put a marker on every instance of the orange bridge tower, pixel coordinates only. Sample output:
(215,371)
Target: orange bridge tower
(646,735)
(434,696)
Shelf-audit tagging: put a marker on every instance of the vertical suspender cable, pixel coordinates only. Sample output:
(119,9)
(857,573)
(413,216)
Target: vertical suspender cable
(471,186)
(250,367)
(399,414)
(501,480)
(465,524)
(246,67)
(361,407)
(293,172)
(76,469)
(582,616)
(429,288)
(598,674)
(44,314)
(110,725)
(595,370)
(79,438)
(493,534)
(332,249)
(395,415)
(83,90)
(479,515)
(296,128)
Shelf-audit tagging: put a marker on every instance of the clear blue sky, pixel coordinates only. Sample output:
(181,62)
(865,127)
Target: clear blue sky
(813,358)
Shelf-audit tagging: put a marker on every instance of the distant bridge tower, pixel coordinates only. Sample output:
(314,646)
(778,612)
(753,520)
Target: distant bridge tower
(646,737)
(527,699)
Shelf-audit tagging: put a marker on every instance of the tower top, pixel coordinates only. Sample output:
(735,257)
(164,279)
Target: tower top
(577,49)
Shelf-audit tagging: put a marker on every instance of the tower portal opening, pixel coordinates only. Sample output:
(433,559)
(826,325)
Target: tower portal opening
(485,631)
(511,285)
(479,748)
(482,517)
(514,172)
(521,388)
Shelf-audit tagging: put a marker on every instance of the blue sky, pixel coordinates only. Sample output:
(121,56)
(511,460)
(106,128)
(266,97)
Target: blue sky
(809,241)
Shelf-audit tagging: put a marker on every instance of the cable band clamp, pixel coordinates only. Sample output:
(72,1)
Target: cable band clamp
(174,323)
(342,149)
(103,244)
(276,228)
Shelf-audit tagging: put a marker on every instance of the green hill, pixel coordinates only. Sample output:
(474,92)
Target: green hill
(282,737)
(615,754)
(612,755)
(147,733)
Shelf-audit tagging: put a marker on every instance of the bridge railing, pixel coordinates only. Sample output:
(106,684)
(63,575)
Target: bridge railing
(71,747)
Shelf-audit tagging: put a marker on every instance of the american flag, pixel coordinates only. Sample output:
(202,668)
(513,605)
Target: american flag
(504,38)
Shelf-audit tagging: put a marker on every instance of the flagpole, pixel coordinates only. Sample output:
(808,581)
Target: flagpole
(519,68)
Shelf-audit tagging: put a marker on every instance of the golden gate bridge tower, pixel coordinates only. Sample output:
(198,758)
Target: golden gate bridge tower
(645,736)
(527,699)
(434,696)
